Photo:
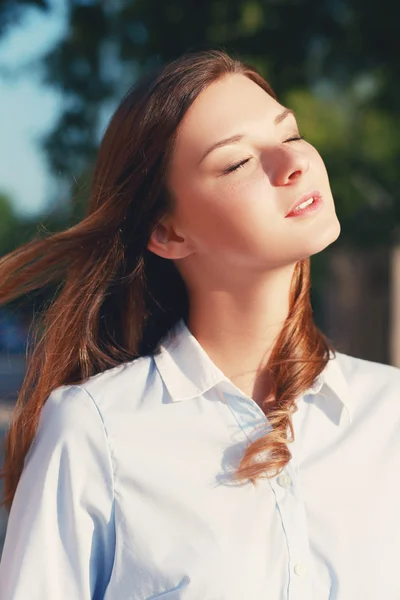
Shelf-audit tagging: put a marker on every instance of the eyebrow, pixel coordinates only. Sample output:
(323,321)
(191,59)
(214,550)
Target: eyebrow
(239,136)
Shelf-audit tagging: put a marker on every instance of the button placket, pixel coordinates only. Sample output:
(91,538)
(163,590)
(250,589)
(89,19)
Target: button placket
(294,521)
(290,506)
(284,480)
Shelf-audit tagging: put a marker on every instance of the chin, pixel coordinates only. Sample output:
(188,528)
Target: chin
(322,239)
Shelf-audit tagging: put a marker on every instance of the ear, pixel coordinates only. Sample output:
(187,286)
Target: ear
(166,242)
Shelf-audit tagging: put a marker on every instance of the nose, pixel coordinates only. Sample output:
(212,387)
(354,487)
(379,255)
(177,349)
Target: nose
(287,165)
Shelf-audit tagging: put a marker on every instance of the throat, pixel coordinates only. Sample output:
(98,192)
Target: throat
(259,388)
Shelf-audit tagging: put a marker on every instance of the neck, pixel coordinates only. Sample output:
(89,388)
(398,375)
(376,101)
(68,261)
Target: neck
(238,329)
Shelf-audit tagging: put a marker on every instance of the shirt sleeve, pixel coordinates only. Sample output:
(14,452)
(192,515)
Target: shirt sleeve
(60,538)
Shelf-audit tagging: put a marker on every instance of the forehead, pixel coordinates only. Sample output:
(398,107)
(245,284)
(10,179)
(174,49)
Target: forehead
(228,106)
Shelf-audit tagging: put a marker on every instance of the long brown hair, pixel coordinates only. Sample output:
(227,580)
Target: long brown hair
(115,299)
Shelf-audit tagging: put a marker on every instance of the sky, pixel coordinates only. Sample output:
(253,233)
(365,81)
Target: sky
(28,109)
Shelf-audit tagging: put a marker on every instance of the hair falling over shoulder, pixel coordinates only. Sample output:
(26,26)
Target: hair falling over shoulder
(115,299)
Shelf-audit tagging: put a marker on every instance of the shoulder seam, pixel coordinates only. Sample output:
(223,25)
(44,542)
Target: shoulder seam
(105,434)
(111,463)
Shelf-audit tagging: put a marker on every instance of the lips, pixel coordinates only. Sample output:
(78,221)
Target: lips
(314,194)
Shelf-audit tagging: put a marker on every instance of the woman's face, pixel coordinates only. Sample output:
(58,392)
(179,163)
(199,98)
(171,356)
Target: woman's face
(232,197)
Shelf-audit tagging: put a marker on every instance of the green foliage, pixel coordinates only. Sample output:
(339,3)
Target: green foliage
(8,222)
(15,231)
(336,63)
(359,144)
(11,12)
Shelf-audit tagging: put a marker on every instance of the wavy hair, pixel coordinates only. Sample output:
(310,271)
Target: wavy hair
(114,299)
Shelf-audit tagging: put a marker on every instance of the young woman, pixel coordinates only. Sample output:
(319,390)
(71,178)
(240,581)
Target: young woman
(149,456)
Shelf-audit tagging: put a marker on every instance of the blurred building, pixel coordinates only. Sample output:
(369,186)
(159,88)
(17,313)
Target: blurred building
(362,303)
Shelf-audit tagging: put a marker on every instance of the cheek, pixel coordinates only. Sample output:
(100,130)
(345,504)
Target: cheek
(234,219)
(238,203)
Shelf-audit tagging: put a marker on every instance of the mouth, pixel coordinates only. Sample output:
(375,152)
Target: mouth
(308,203)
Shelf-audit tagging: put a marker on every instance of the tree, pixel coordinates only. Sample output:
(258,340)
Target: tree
(8,222)
(335,62)
(11,12)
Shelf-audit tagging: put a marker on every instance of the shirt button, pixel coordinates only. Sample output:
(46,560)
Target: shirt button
(284,480)
(300,569)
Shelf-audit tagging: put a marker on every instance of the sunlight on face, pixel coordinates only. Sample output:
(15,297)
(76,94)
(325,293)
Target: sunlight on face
(237,169)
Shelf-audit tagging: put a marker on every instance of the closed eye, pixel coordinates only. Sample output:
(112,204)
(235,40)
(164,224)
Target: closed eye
(237,166)
(242,163)
(295,138)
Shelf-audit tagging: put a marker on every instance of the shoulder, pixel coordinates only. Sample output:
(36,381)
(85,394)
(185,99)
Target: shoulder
(81,410)
(67,407)
(69,418)
(372,395)
(70,440)
(123,387)
(368,377)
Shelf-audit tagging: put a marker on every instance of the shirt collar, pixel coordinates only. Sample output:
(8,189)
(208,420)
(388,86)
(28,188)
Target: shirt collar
(332,389)
(188,371)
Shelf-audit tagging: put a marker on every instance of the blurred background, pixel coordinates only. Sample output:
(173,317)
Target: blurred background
(65,64)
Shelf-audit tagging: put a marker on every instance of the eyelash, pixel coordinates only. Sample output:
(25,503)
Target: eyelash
(241,164)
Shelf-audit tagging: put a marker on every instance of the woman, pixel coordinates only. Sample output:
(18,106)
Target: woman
(149,452)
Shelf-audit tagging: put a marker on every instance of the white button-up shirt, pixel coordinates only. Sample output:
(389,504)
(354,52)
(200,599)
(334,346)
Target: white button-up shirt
(127,494)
